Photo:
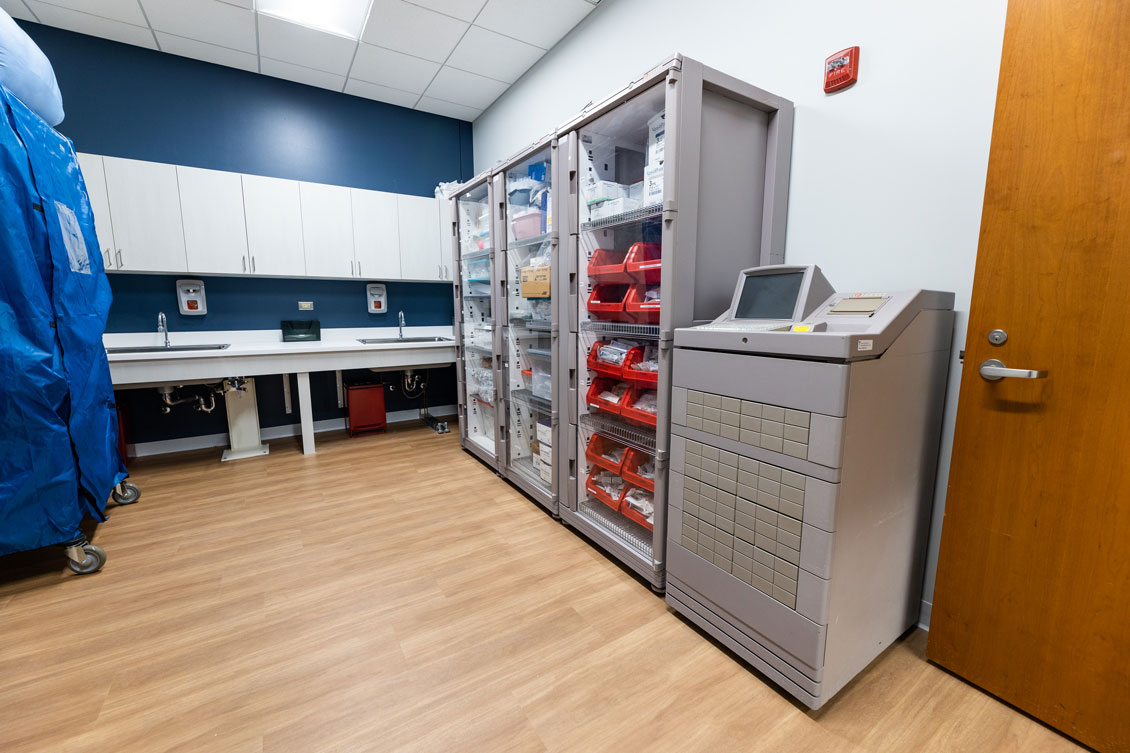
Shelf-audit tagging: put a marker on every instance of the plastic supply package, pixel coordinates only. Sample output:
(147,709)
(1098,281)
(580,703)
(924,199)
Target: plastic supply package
(614,393)
(609,483)
(652,294)
(58,423)
(647,469)
(642,501)
(647,402)
(650,360)
(615,454)
(614,352)
(27,73)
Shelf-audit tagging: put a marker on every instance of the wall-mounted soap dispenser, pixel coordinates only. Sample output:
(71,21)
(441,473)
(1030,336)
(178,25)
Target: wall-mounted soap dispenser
(190,297)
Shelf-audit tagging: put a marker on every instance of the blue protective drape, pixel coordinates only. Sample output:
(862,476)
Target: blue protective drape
(58,426)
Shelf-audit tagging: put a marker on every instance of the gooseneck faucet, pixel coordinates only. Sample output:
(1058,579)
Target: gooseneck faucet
(401,336)
(163,327)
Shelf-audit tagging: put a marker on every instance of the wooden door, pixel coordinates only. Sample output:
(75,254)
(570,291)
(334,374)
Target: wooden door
(419,238)
(94,175)
(145,211)
(273,212)
(376,234)
(327,231)
(215,234)
(1032,601)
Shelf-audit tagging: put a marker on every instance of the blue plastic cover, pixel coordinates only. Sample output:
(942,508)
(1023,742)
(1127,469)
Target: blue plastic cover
(27,73)
(58,426)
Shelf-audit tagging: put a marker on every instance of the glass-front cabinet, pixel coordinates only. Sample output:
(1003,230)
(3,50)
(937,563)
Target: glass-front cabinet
(529,339)
(477,325)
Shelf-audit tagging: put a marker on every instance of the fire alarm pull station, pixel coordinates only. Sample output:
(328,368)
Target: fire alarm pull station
(841,70)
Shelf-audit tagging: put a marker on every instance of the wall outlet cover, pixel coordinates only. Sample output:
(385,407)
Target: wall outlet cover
(305,305)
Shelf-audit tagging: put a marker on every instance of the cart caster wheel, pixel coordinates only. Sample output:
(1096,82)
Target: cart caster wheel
(95,559)
(129,494)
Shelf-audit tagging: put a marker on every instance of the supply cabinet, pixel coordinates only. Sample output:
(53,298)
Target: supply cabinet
(478,336)
(674,184)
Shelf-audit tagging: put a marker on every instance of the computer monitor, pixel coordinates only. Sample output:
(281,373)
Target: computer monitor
(781,292)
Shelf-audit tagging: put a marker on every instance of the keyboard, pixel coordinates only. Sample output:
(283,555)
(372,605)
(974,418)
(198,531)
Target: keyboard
(745,327)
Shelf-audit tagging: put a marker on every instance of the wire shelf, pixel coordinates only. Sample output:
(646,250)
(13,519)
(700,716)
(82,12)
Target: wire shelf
(525,466)
(624,218)
(593,331)
(527,397)
(633,534)
(534,325)
(476,255)
(535,240)
(614,428)
(539,353)
(479,349)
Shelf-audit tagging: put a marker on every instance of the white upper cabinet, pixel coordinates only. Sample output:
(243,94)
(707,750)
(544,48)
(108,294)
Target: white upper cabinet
(145,213)
(274,226)
(419,238)
(215,234)
(376,234)
(446,238)
(94,175)
(327,230)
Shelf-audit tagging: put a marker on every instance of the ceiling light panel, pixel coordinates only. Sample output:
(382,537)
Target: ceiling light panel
(342,17)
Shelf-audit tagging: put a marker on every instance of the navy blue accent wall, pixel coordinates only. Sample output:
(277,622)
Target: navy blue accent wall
(126,101)
(257,303)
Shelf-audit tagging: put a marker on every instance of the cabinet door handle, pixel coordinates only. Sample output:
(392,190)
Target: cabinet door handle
(119,258)
(446,272)
(106,259)
(244,260)
(252,263)
(351,272)
(358,268)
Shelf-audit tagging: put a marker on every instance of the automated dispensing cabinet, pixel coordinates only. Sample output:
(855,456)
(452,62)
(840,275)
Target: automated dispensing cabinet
(805,427)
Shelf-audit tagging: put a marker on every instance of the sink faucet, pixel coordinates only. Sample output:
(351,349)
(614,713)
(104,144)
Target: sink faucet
(401,325)
(163,327)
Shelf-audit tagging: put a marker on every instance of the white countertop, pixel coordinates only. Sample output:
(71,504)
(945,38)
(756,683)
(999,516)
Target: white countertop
(258,352)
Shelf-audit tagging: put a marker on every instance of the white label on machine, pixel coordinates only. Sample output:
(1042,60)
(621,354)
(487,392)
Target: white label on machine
(72,239)
(863,345)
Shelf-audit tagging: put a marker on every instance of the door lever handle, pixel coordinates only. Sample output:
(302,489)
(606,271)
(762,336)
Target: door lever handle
(993,371)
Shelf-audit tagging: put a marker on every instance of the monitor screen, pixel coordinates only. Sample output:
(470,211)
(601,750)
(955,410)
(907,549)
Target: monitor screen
(769,296)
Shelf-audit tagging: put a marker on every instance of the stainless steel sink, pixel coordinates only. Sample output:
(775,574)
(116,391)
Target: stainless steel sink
(166,348)
(385,340)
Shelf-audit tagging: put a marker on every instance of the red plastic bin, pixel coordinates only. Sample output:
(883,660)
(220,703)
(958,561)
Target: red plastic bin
(593,398)
(608,266)
(629,371)
(636,415)
(599,366)
(632,513)
(596,451)
(607,302)
(644,262)
(630,470)
(602,495)
(638,310)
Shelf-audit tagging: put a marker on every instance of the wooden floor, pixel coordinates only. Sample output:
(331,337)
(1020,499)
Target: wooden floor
(390,593)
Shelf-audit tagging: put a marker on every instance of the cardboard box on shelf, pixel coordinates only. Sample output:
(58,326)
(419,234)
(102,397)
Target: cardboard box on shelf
(545,431)
(544,469)
(609,208)
(536,282)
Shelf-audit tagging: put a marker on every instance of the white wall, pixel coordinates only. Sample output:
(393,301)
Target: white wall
(888,177)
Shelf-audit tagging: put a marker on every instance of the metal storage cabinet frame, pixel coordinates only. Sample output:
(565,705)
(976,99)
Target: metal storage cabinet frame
(706,175)
(503,246)
(482,179)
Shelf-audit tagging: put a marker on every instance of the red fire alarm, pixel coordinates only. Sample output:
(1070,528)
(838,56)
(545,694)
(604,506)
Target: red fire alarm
(841,70)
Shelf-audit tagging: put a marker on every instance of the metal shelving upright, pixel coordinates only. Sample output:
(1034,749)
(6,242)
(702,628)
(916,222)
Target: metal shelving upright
(477,289)
(675,183)
(527,243)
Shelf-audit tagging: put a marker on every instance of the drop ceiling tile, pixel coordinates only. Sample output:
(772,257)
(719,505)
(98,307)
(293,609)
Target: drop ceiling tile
(462,9)
(380,93)
(309,76)
(376,65)
(450,109)
(17,9)
(467,89)
(211,53)
(206,20)
(538,22)
(126,11)
(397,25)
(493,55)
(300,45)
(96,26)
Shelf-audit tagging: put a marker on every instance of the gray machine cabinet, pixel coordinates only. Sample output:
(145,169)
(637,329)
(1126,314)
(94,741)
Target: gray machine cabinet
(723,208)
(798,540)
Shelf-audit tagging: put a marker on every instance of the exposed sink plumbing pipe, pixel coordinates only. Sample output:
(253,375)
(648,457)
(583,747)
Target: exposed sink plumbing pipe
(205,403)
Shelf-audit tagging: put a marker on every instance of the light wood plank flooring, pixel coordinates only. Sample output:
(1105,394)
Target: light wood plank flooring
(390,593)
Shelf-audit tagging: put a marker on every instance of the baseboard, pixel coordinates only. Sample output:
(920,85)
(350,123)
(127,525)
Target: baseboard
(924,615)
(206,441)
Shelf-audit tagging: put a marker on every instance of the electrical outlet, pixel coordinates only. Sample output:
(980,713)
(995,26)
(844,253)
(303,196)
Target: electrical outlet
(305,305)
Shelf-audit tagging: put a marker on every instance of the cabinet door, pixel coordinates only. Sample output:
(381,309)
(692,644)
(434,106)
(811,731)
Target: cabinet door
(419,241)
(327,230)
(376,234)
(94,175)
(273,213)
(145,212)
(215,235)
(446,233)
